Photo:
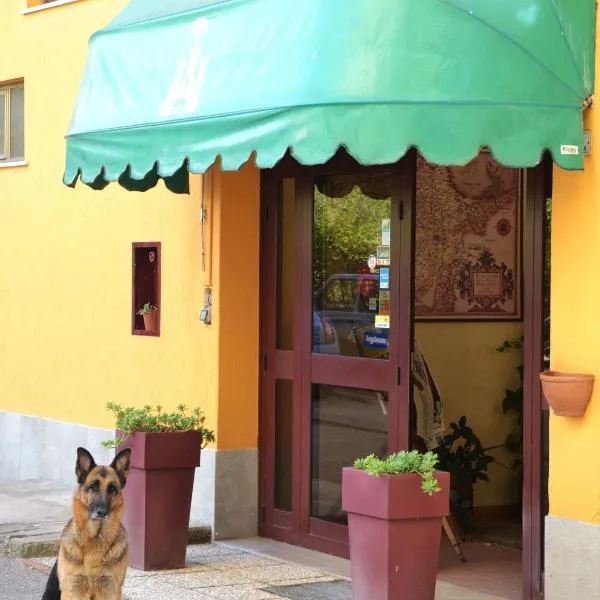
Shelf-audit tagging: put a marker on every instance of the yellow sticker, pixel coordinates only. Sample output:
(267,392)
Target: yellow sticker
(382,321)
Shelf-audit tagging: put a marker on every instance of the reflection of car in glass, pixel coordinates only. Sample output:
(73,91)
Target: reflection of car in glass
(350,301)
(325,339)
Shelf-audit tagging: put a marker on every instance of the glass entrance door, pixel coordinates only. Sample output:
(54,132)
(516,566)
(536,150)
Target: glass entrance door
(337,338)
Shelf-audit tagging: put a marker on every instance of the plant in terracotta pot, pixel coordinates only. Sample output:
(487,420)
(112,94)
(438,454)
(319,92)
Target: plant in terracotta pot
(395,508)
(149,312)
(165,451)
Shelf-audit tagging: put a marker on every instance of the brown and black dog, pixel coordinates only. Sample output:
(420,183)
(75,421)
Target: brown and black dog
(92,559)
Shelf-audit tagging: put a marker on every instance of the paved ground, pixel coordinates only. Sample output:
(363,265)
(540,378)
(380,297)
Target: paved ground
(19,582)
(33,513)
(35,501)
(221,571)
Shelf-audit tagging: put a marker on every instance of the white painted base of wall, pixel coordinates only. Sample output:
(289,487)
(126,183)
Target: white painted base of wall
(225,486)
(572,559)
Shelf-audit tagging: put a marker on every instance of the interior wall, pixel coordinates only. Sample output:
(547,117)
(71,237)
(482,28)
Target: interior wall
(472,378)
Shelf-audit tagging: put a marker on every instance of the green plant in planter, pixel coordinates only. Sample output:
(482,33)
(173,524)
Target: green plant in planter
(403,463)
(462,454)
(147,308)
(149,419)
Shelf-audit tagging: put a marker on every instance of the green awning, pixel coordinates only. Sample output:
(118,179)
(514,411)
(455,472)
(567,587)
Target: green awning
(170,86)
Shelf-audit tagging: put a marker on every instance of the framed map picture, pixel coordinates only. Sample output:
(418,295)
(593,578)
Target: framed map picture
(468,241)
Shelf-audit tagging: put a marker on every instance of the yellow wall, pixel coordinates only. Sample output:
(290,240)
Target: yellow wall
(472,377)
(65,263)
(574,483)
(239,297)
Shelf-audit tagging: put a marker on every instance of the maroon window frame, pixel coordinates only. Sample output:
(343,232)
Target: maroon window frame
(145,284)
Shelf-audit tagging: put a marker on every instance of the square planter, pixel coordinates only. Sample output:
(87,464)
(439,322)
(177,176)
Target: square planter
(395,533)
(158,497)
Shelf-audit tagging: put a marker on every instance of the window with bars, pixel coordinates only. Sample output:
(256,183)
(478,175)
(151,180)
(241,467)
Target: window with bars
(12,123)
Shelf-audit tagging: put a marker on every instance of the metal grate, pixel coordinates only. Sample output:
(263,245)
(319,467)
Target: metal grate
(336,590)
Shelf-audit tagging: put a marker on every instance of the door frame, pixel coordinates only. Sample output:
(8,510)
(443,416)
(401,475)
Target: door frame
(306,368)
(538,187)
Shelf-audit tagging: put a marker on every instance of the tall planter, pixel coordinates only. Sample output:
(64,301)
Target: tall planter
(395,533)
(158,497)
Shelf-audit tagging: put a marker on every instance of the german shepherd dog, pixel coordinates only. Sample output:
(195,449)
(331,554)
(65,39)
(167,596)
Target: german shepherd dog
(92,558)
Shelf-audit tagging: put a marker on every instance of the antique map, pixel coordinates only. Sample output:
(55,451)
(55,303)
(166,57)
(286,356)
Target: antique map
(467,256)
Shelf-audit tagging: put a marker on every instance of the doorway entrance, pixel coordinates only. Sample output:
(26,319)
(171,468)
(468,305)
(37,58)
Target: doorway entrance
(337,335)
(338,341)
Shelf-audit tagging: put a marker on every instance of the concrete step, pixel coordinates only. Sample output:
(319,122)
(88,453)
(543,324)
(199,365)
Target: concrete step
(28,540)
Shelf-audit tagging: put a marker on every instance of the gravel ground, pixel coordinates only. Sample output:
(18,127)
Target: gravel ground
(20,582)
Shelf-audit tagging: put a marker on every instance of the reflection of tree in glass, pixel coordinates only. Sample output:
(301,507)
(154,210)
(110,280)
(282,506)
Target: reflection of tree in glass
(346,231)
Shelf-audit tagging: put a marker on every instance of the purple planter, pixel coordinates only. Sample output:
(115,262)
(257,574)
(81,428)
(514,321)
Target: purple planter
(158,497)
(395,532)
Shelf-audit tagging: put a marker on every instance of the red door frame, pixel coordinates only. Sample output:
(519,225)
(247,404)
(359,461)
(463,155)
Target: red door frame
(280,526)
(305,368)
(533,401)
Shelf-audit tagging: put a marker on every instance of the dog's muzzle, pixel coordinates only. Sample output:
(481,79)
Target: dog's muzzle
(98,512)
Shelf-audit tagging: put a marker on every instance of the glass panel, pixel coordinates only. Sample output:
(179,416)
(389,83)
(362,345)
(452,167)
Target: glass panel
(346,424)
(2,125)
(283,444)
(351,265)
(17,137)
(285,265)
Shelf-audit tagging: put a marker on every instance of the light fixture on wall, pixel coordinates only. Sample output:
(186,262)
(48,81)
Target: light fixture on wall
(587,142)
(206,310)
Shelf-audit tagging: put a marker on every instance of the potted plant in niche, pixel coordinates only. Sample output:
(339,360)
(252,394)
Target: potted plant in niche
(395,507)
(148,312)
(165,451)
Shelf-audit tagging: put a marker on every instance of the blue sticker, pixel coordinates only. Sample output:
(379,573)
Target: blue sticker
(384,278)
(376,339)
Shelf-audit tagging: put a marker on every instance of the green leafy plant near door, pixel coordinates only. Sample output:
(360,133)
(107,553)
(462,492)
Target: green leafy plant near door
(462,454)
(403,463)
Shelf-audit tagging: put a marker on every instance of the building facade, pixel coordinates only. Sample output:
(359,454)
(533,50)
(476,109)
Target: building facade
(57,380)
(70,340)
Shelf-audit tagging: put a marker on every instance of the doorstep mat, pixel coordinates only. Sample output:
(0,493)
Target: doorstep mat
(327,590)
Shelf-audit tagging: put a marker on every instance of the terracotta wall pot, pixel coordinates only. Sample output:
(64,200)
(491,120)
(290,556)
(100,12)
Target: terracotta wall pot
(158,497)
(150,320)
(395,532)
(568,394)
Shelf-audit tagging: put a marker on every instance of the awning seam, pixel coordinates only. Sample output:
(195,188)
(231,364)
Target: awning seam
(577,95)
(569,48)
(366,102)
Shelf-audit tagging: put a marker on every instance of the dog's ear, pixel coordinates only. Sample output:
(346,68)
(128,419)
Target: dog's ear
(121,465)
(85,463)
